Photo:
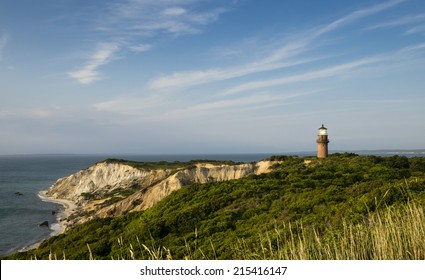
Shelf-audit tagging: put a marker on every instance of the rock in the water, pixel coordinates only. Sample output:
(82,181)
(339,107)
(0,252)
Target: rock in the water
(44,224)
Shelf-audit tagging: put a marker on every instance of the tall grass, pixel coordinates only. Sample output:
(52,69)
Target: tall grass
(392,234)
(395,233)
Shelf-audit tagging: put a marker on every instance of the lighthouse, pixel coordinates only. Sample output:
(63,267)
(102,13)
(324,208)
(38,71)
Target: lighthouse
(322,142)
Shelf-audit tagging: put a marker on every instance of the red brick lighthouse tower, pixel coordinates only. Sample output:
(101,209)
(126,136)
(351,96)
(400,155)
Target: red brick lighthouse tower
(322,142)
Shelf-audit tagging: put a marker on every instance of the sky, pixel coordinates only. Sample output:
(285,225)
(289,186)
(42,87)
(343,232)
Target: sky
(210,76)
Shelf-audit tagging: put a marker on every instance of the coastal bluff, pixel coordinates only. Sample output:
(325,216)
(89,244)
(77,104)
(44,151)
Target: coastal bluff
(114,187)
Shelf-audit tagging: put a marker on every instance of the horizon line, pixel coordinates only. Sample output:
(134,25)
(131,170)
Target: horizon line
(416,150)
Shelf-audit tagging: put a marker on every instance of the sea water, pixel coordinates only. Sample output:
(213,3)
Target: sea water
(21,209)
(23,177)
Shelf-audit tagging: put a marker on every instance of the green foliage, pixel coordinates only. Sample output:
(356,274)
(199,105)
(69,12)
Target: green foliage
(88,196)
(222,219)
(417,164)
(166,164)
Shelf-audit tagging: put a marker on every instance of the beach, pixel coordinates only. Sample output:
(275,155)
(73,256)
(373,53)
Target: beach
(69,208)
(62,217)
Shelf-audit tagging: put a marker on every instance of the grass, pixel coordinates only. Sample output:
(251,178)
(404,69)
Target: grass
(167,165)
(395,233)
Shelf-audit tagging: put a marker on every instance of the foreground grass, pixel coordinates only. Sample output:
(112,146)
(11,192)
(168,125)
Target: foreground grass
(391,234)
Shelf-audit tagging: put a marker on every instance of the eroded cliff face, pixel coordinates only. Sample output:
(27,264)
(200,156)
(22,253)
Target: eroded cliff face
(111,189)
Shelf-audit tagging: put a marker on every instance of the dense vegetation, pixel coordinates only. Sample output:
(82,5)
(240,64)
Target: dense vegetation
(343,207)
(166,164)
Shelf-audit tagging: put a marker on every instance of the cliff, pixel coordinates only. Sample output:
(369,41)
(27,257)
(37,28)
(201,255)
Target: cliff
(112,188)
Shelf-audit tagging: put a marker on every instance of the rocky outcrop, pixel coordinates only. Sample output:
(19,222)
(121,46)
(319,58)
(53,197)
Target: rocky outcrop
(101,179)
(112,188)
(44,224)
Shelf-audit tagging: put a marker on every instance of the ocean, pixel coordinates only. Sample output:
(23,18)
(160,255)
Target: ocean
(23,177)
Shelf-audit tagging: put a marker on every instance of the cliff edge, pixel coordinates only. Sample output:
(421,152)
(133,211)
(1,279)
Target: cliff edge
(112,188)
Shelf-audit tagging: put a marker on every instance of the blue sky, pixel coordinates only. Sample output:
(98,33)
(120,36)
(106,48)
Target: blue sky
(193,76)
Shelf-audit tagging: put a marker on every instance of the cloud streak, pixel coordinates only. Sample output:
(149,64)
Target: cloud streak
(399,22)
(245,103)
(192,78)
(412,48)
(89,72)
(276,60)
(416,29)
(156,108)
(141,48)
(332,71)
(356,15)
(318,74)
(176,17)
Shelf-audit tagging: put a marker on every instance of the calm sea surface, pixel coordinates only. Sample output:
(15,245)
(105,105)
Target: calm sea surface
(22,177)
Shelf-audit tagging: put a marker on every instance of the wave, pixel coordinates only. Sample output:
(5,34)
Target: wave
(55,228)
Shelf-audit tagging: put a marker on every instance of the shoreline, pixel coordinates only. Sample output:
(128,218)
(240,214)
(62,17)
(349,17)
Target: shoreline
(62,217)
(69,208)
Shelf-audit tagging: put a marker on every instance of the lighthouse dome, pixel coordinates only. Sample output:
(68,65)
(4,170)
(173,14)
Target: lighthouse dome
(323,130)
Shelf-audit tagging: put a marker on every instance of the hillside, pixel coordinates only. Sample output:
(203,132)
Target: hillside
(114,187)
(343,207)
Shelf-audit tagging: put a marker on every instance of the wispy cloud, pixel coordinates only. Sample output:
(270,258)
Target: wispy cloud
(356,15)
(242,103)
(127,23)
(323,73)
(141,48)
(132,105)
(412,48)
(161,109)
(400,21)
(331,71)
(32,113)
(176,11)
(192,78)
(280,58)
(416,29)
(89,72)
(177,17)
